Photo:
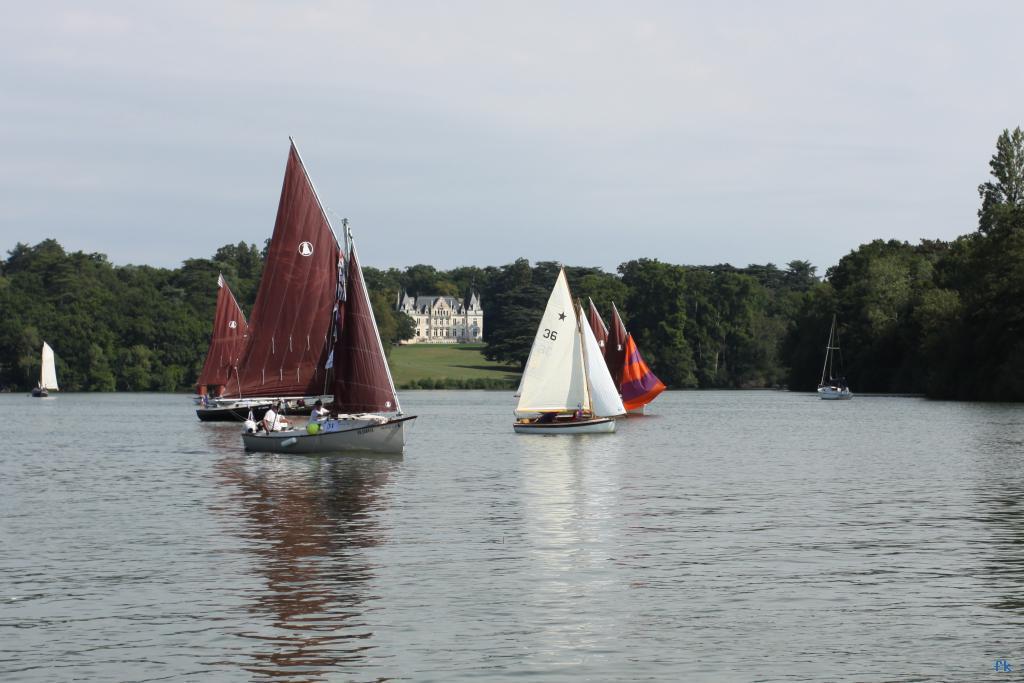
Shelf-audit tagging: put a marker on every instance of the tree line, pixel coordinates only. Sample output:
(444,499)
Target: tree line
(937,318)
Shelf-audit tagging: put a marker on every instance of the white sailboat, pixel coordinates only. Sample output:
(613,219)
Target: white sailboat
(566,387)
(47,375)
(833,387)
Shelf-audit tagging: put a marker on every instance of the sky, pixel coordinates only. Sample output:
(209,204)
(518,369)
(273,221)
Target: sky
(472,133)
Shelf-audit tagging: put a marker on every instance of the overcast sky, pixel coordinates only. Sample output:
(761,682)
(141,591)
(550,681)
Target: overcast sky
(458,133)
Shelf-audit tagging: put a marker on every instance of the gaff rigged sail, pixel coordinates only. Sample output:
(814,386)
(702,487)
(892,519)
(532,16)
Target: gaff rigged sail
(227,341)
(289,331)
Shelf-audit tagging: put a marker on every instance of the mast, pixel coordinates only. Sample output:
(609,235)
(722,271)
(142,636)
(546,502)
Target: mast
(828,353)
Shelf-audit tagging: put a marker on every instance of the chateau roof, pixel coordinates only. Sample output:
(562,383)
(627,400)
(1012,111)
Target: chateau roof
(423,304)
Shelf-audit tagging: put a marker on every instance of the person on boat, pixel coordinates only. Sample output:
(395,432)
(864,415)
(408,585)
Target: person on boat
(578,414)
(318,412)
(546,418)
(273,421)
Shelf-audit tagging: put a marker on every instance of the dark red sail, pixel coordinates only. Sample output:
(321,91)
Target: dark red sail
(615,348)
(227,341)
(291,320)
(597,326)
(362,381)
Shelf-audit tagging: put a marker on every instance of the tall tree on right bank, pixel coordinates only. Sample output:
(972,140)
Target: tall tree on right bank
(993,322)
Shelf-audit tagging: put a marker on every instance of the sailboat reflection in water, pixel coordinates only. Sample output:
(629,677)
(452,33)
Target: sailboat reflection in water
(309,526)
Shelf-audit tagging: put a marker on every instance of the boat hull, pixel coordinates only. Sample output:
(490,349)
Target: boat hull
(642,410)
(232,413)
(40,393)
(228,410)
(600,425)
(365,435)
(834,394)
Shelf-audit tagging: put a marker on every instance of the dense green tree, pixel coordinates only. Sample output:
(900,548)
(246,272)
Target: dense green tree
(1002,198)
(657,318)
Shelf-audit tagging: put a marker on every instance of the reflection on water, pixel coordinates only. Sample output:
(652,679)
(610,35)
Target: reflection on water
(306,521)
(730,536)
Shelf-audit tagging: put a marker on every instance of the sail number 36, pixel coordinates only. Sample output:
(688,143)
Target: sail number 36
(550,334)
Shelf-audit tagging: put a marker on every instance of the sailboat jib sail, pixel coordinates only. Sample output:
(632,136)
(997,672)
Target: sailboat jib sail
(48,372)
(227,341)
(603,392)
(639,385)
(362,381)
(555,379)
(289,330)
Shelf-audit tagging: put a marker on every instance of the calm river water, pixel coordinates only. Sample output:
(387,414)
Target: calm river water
(730,536)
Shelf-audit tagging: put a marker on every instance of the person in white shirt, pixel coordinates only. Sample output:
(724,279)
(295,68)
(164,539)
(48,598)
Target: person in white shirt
(319,412)
(273,422)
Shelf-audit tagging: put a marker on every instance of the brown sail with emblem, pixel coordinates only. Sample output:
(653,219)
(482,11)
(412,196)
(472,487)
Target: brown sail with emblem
(227,341)
(291,322)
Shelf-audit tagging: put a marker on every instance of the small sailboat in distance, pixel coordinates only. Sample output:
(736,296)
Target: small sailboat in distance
(832,386)
(47,375)
(637,385)
(227,342)
(566,387)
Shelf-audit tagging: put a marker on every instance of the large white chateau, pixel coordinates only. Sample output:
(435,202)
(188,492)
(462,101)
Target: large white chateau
(444,319)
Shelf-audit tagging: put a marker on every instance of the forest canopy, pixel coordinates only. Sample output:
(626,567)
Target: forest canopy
(938,318)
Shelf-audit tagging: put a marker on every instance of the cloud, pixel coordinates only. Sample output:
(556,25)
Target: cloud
(473,133)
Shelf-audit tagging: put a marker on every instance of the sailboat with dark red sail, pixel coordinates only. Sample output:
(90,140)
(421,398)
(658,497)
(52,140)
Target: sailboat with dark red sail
(368,416)
(227,341)
(284,359)
(638,386)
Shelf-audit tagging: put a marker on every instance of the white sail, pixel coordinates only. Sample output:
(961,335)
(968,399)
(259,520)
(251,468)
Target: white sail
(555,379)
(603,392)
(48,375)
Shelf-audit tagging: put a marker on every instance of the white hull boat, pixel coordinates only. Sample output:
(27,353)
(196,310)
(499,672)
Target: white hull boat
(600,425)
(356,434)
(832,386)
(566,387)
(641,410)
(47,375)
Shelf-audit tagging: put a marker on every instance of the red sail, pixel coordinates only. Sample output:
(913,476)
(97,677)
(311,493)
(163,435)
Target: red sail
(227,341)
(615,348)
(292,316)
(639,386)
(362,382)
(597,326)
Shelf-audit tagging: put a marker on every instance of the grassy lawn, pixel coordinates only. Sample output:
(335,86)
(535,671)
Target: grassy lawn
(415,362)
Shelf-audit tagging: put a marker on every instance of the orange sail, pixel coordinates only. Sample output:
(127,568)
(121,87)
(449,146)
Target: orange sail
(639,385)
